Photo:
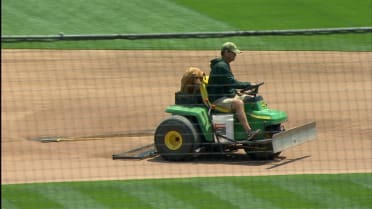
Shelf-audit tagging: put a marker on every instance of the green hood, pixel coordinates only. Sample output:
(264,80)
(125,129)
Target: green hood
(215,61)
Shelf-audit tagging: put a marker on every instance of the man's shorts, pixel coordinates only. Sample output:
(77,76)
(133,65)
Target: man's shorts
(226,102)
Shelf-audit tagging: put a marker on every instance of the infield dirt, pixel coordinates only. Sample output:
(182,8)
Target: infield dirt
(48,93)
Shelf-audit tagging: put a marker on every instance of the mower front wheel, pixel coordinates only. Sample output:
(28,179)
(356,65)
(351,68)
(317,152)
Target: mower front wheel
(176,138)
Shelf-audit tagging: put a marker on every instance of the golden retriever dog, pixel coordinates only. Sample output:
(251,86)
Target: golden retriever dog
(191,80)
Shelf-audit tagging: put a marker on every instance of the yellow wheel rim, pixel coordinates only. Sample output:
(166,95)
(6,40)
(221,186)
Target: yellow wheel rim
(173,140)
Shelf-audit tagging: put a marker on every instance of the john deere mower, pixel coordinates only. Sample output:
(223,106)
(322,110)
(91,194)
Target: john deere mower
(197,126)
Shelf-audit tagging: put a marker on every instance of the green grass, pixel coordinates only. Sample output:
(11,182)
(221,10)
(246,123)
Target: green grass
(351,42)
(291,191)
(285,14)
(44,17)
(157,16)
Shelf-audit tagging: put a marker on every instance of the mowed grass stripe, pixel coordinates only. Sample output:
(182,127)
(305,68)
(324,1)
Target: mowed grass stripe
(294,191)
(150,194)
(327,191)
(356,188)
(27,196)
(265,189)
(132,16)
(363,182)
(285,14)
(349,193)
(168,16)
(240,198)
(313,192)
(114,194)
(97,17)
(193,192)
(7,204)
(70,196)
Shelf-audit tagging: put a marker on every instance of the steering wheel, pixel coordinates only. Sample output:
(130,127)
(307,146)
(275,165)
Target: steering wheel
(252,89)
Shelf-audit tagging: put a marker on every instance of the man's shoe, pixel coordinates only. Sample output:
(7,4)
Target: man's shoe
(253,134)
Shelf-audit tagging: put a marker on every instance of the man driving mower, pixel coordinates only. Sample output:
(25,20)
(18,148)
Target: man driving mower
(222,87)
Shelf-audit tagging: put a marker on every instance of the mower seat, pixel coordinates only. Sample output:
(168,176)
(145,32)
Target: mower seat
(204,95)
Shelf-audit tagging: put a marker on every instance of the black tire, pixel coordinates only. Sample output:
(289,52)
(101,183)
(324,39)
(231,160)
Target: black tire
(176,138)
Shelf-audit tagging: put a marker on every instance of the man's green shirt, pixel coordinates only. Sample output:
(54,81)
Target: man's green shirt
(221,81)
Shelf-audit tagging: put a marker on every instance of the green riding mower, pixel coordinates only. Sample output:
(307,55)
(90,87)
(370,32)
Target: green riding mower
(196,127)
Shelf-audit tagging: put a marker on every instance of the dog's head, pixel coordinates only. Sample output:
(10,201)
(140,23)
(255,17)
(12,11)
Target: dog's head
(191,80)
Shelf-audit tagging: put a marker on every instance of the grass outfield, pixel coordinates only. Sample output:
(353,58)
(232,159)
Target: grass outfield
(159,16)
(292,191)
(166,16)
(285,14)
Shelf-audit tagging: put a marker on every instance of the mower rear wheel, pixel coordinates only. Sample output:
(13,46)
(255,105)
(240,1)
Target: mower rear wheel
(176,138)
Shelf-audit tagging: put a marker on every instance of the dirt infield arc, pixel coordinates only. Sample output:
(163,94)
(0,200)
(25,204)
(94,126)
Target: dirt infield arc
(114,93)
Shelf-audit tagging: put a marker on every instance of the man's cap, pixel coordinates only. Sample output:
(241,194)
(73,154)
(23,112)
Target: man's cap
(231,47)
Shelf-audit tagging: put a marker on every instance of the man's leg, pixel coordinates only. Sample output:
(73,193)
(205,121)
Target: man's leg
(238,106)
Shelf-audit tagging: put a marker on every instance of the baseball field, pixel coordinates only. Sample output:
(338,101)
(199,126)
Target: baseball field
(113,90)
